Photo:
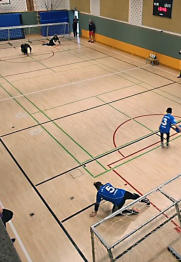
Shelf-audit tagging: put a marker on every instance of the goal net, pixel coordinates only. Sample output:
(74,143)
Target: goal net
(34,32)
(142,237)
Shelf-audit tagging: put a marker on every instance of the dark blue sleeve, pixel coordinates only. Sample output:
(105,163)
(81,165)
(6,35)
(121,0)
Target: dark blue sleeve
(173,121)
(98,200)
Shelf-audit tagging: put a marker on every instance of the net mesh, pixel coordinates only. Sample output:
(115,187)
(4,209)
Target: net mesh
(32,32)
(50,4)
(13,6)
(130,237)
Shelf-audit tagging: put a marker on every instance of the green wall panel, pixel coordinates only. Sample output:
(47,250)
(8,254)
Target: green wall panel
(30,18)
(157,41)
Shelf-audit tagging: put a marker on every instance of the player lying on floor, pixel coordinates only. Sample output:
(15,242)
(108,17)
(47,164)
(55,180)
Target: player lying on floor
(53,41)
(117,196)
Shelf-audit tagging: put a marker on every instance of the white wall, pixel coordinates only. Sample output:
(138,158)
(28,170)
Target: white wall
(14,6)
(95,7)
(135,12)
(20,5)
(51,4)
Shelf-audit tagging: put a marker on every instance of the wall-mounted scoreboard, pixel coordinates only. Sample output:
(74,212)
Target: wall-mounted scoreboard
(162,8)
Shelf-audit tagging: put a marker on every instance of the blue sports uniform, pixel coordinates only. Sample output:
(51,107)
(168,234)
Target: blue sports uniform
(111,194)
(166,123)
(177,129)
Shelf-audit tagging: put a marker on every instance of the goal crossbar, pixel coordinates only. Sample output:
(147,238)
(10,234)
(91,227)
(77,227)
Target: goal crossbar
(175,204)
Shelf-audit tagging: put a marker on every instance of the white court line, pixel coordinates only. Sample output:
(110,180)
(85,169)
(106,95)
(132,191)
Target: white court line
(70,83)
(18,239)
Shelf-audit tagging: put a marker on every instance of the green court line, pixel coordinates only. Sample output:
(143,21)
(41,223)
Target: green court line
(170,94)
(120,74)
(45,67)
(47,109)
(119,147)
(169,81)
(54,138)
(55,124)
(129,160)
(113,150)
(131,118)
(167,97)
(79,100)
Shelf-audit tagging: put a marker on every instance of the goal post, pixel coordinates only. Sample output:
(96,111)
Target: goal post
(31,32)
(112,240)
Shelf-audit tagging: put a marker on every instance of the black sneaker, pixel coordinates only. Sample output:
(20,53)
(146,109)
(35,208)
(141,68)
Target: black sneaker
(129,212)
(162,145)
(167,144)
(146,201)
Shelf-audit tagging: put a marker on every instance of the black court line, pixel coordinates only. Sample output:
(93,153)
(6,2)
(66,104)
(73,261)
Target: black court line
(85,110)
(75,214)
(4,59)
(98,157)
(63,173)
(129,63)
(51,67)
(44,202)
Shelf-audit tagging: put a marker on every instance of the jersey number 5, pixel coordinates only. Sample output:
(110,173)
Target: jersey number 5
(110,189)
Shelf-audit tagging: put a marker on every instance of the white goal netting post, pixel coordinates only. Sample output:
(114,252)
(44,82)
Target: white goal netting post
(31,32)
(122,238)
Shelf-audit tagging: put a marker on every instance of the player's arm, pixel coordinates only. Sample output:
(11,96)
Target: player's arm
(96,206)
(177,126)
(174,123)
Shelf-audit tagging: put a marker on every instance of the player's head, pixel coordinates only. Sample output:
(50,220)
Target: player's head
(169,110)
(98,185)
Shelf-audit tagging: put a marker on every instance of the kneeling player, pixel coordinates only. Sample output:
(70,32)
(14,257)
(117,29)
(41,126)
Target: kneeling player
(26,49)
(116,196)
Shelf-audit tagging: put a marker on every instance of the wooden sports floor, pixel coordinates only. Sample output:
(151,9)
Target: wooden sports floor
(73,115)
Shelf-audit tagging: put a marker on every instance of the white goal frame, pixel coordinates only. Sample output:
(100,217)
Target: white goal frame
(99,237)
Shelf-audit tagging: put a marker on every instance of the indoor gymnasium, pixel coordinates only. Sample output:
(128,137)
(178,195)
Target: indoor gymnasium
(86,90)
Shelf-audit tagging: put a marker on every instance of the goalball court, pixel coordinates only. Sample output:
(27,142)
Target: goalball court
(72,115)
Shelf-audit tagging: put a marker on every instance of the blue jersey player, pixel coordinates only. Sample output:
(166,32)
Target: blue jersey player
(167,121)
(117,196)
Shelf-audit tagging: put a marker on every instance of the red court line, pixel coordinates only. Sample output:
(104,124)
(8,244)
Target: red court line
(142,149)
(177,226)
(114,134)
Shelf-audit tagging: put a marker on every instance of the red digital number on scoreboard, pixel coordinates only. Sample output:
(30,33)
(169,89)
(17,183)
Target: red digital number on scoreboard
(162,9)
